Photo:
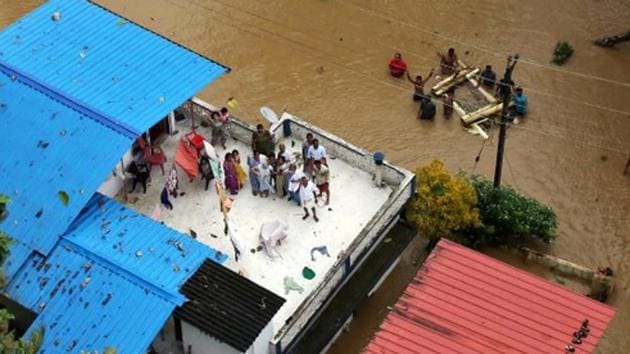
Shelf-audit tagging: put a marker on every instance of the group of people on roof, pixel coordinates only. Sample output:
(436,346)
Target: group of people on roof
(301,177)
(281,173)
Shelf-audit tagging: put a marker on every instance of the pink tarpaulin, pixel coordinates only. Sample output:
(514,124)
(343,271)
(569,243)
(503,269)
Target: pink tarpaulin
(186,158)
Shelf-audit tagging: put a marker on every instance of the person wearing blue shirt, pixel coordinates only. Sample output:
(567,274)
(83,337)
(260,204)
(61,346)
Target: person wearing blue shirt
(520,100)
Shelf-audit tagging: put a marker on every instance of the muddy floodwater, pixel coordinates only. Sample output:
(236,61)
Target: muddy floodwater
(325,61)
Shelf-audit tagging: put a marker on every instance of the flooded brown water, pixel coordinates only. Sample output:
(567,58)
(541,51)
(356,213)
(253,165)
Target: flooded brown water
(325,61)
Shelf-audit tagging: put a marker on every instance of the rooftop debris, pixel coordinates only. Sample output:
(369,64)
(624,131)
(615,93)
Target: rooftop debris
(308,273)
(290,284)
(64,197)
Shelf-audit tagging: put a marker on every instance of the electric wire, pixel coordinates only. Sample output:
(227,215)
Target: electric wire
(326,59)
(483,49)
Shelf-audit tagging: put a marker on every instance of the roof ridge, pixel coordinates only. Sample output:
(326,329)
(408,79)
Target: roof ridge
(70,102)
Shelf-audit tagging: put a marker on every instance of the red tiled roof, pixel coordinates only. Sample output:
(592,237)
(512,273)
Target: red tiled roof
(463,301)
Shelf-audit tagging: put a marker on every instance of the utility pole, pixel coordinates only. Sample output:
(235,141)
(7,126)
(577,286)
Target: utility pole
(505,88)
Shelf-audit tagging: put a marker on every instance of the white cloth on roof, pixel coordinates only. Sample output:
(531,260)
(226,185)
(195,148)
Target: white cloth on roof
(271,233)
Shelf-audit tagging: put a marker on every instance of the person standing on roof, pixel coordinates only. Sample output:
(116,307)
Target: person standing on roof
(315,153)
(321,175)
(262,141)
(448,61)
(397,66)
(418,85)
(308,197)
(219,123)
(307,144)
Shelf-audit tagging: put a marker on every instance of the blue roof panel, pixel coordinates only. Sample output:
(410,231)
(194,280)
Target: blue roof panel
(84,305)
(18,254)
(49,150)
(106,62)
(141,246)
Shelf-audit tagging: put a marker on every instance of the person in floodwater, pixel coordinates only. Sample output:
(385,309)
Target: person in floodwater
(449,99)
(520,101)
(427,109)
(418,85)
(448,62)
(488,77)
(397,66)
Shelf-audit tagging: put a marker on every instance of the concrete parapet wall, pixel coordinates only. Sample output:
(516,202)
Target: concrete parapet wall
(400,180)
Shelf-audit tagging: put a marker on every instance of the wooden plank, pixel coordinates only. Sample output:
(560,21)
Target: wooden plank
(456,81)
(484,111)
(457,108)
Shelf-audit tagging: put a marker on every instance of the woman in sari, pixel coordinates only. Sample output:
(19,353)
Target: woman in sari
(254,172)
(231,181)
(240,172)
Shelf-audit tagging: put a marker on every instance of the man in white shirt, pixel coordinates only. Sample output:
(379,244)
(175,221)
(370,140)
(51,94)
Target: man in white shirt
(315,152)
(308,197)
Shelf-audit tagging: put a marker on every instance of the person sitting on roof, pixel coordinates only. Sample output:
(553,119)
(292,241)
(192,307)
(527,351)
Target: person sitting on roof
(397,66)
(488,77)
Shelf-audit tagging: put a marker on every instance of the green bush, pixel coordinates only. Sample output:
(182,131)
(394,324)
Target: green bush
(8,342)
(562,53)
(507,217)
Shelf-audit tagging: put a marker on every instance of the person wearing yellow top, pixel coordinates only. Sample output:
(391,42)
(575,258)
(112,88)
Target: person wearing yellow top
(241,176)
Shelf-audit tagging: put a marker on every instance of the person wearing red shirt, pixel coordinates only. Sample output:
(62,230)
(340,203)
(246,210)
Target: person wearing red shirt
(397,66)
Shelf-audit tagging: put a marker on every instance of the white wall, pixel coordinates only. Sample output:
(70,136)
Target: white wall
(201,343)
(262,344)
(113,184)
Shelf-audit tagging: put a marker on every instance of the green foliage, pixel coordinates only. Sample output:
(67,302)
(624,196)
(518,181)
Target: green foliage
(8,343)
(5,242)
(64,197)
(562,53)
(444,203)
(509,217)
(4,200)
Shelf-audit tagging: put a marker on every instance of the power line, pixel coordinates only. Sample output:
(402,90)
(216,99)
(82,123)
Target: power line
(324,58)
(423,57)
(501,55)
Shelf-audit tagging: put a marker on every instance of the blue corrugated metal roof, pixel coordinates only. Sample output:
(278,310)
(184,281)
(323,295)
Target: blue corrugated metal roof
(48,148)
(18,254)
(106,62)
(84,305)
(94,291)
(149,250)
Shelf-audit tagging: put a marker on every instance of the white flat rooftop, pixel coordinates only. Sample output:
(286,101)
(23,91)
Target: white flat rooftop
(354,201)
